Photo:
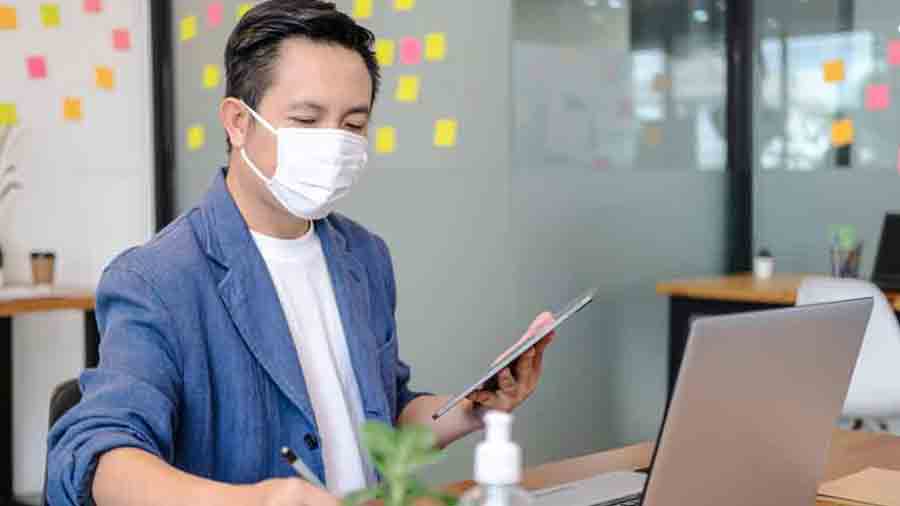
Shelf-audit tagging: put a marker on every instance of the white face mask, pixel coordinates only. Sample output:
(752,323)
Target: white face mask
(315,167)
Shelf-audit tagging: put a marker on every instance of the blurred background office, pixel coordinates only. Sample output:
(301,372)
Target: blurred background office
(521,152)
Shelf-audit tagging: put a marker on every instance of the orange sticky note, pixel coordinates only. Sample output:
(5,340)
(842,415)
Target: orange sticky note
(188,28)
(385,140)
(104,78)
(653,135)
(241,10)
(211,76)
(72,109)
(661,83)
(362,9)
(7,114)
(8,19)
(404,5)
(878,97)
(385,49)
(407,89)
(50,15)
(834,71)
(842,132)
(445,133)
(435,46)
(196,137)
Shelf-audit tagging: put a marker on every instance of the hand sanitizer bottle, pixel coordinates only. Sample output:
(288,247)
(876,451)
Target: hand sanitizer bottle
(498,467)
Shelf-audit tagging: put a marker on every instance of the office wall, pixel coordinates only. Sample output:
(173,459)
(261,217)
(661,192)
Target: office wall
(88,184)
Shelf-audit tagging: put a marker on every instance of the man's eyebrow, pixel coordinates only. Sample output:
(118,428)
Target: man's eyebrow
(307,104)
(360,109)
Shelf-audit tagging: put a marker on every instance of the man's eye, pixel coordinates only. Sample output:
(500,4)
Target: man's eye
(304,121)
(355,127)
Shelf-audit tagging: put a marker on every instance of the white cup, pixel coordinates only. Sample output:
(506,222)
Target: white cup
(763,267)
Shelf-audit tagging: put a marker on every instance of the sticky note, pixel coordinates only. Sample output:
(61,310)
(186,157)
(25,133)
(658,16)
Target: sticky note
(93,6)
(196,137)
(435,46)
(214,13)
(50,15)
(188,28)
(384,52)
(833,71)
(104,78)
(842,133)
(241,10)
(878,97)
(894,52)
(72,109)
(8,19)
(407,89)
(211,76)
(410,50)
(445,133)
(37,67)
(404,5)
(7,114)
(121,39)
(661,83)
(385,140)
(362,9)
(653,135)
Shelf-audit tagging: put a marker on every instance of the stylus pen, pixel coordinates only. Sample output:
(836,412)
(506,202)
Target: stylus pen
(300,467)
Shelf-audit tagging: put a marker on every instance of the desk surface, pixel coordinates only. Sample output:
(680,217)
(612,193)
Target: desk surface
(850,452)
(21,300)
(781,289)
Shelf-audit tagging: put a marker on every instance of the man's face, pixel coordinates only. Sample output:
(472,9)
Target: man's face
(313,86)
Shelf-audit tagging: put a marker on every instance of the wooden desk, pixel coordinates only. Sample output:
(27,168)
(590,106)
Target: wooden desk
(56,299)
(724,295)
(850,452)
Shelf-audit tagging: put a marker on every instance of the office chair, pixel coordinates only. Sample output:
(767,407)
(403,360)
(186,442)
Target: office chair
(64,397)
(874,395)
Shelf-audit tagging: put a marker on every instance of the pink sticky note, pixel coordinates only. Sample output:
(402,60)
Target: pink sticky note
(93,6)
(410,50)
(37,67)
(121,39)
(214,14)
(894,52)
(878,97)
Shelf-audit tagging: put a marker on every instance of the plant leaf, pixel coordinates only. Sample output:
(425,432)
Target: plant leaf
(380,439)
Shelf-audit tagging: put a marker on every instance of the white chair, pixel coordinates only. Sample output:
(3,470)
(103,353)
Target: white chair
(874,394)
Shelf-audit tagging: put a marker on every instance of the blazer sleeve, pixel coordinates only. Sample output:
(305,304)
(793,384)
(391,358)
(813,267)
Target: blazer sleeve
(130,400)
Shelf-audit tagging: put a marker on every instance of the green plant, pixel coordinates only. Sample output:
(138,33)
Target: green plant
(397,455)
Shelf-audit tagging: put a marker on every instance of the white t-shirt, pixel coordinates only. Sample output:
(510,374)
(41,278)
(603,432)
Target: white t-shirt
(301,278)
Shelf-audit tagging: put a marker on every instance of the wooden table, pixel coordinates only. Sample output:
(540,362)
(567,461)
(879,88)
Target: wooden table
(850,452)
(689,298)
(55,299)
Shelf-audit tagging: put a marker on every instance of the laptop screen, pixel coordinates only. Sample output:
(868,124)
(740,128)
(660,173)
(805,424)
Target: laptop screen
(887,265)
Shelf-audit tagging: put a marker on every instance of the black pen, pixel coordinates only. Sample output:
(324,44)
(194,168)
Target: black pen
(300,467)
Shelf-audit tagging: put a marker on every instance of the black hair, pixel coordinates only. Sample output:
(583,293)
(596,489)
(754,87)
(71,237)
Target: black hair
(253,45)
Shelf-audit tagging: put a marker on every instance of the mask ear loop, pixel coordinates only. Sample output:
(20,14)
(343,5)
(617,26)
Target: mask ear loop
(259,118)
(246,158)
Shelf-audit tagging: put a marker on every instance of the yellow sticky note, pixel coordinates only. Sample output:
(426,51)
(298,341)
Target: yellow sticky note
(196,137)
(404,5)
(362,9)
(7,114)
(8,19)
(188,28)
(50,15)
(407,89)
(241,10)
(385,140)
(72,109)
(435,46)
(653,135)
(842,132)
(104,78)
(385,49)
(445,133)
(211,76)
(834,71)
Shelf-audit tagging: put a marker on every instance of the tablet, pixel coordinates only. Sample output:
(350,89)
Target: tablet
(513,352)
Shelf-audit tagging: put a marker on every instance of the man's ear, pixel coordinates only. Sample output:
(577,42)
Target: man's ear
(236,121)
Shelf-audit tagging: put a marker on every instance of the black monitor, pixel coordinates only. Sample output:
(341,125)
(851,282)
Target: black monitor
(887,264)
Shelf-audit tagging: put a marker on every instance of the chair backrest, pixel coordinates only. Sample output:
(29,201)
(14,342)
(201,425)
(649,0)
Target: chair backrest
(875,387)
(64,397)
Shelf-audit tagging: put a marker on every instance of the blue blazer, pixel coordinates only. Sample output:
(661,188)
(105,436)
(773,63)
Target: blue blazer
(197,364)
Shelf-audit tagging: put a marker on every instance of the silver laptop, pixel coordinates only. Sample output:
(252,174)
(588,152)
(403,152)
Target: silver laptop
(753,411)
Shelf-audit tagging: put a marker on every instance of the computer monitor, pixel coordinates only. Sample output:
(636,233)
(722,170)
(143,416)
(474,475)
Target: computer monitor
(887,263)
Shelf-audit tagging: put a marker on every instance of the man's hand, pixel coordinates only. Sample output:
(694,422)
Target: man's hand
(515,388)
(293,492)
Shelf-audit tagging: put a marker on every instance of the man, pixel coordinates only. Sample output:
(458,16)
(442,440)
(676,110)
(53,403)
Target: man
(259,319)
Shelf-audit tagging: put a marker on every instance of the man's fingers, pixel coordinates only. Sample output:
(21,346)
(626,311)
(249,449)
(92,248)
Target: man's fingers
(507,382)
